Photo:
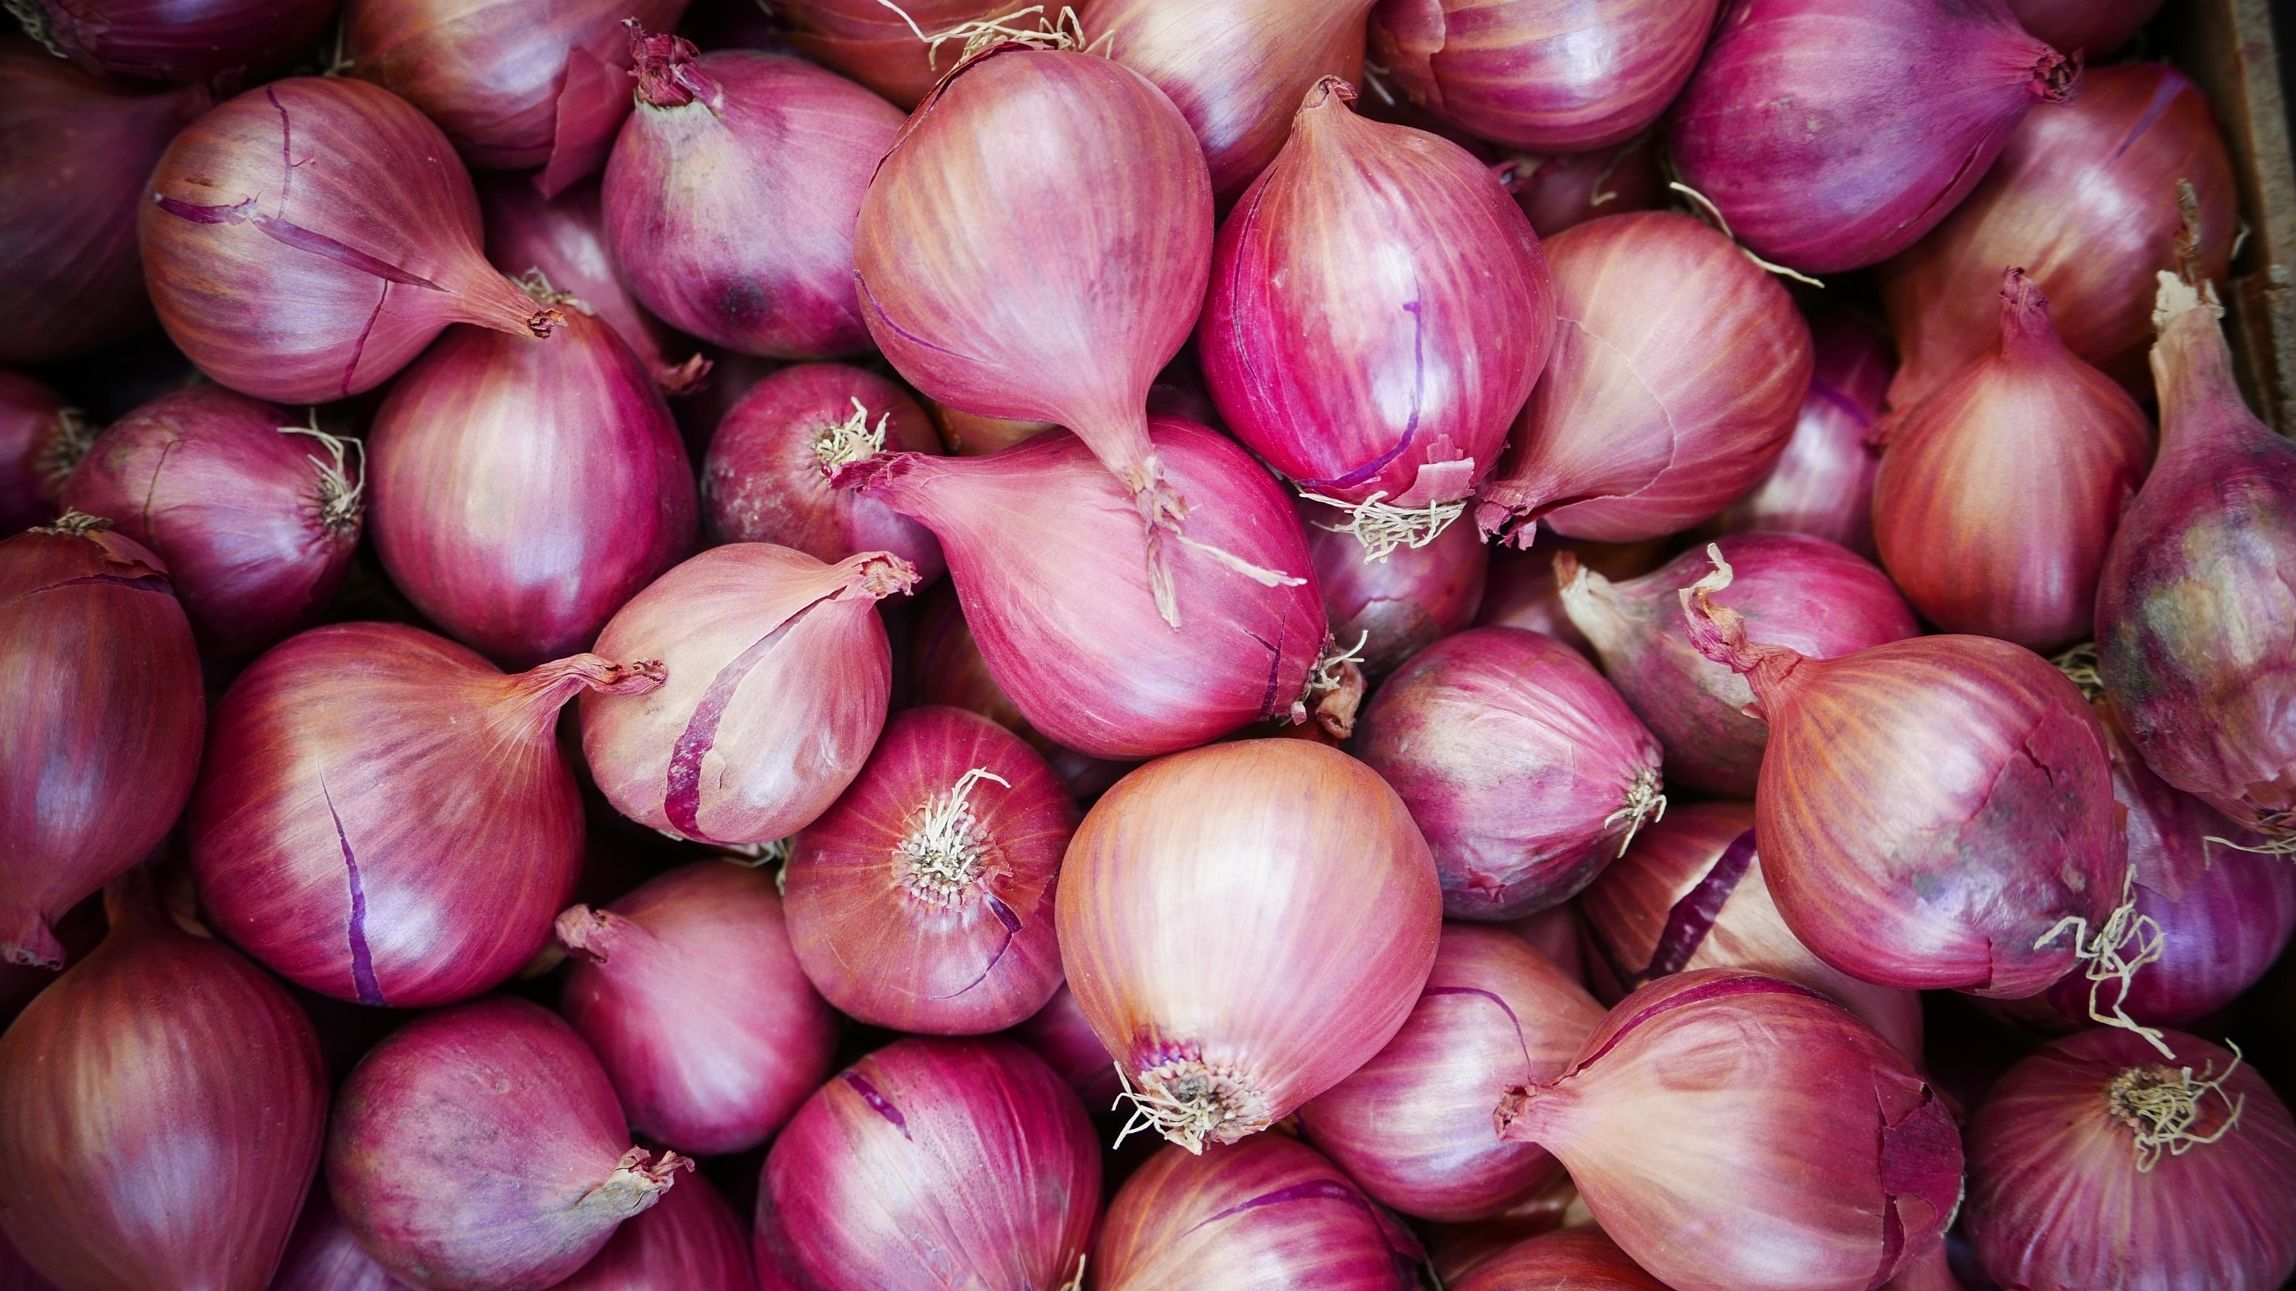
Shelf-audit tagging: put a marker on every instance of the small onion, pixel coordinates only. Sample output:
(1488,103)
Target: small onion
(1523,766)
(2093,27)
(1823,486)
(1577,1260)
(1564,190)
(1245,925)
(41,440)
(178,40)
(690,1241)
(1401,605)
(1060,1034)
(324,1256)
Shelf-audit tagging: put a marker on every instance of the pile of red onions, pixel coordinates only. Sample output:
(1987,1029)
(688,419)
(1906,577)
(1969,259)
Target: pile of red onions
(1396,607)
(1823,484)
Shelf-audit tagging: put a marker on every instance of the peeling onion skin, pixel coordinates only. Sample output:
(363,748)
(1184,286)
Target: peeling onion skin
(1574,1260)
(691,1240)
(2057,1203)
(1403,604)
(2093,27)
(1823,485)
(230,41)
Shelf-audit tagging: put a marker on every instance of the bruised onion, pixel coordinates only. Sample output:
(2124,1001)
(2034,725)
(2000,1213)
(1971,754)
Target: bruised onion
(306,240)
(178,40)
(557,1174)
(1823,485)
(690,1241)
(1245,925)
(386,818)
(1736,1132)
(40,441)
(1525,769)
(1564,190)
(1574,1260)
(1831,134)
(1401,605)
(1676,378)
(2093,27)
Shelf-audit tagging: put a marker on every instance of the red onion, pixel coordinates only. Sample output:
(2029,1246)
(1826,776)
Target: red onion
(324,1256)
(74,151)
(161,1110)
(900,50)
(2196,649)
(1521,591)
(723,145)
(481,1147)
(1839,161)
(1564,190)
(1735,1132)
(307,239)
(931,1163)
(1413,1125)
(255,517)
(1690,894)
(2094,27)
(1631,433)
(40,441)
(104,713)
(767,475)
(1802,593)
(1244,925)
(690,1241)
(922,901)
(970,435)
(178,40)
(1060,1034)
(1556,75)
(1268,1212)
(1379,310)
(1577,1260)
(386,818)
(1047,557)
(2084,198)
(524,492)
(1823,486)
(2095,1166)
(687,991)
(778,674)
(1526,770)
(1401,605)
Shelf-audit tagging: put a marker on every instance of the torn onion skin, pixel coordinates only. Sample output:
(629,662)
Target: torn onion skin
(1572,1260)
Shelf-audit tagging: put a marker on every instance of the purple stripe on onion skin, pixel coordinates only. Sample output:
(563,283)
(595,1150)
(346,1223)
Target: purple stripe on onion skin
(1832,395)
(1738,984)
(1011,924)
(359,346)
(1312,1190)
(362,961)
(286,147)
(1512,1020)
(1693,916)
(1275,651)
(2165,92)
(1410,425)
(292,235)
(898,330)
(877,1102)
(681,800)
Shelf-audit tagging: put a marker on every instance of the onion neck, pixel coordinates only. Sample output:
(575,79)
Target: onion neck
(666,71)
(484,297)
(1590,602)
(60,450)
(599,936)
(635,1184)
(2192,366)
(2056,78)
(533,697)
(1326,100)
(1719,633)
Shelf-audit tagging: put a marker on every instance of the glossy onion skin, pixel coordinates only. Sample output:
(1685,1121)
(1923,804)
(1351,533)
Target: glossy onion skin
(1579,1259)
(564,239)
(1677,376)
(1403,604)
(1823,485)
(37,434)
(2057,1203)
(690,1241)
(183,40)
(978,1166)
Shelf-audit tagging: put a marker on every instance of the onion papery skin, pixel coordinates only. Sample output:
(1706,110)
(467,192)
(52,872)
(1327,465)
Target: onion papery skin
(40,440)
(1678,373)
(1835,162)
(1521,591)
(1379,309)
(869,42)
(778,676)
(2195,650)
(920,910)
(727,143)
(512,86)
(256,523)
(689,993)
(181,40)
(1564,190)
(690,1241)
(104,713)
(1813,1158)
(2094,27)
(1401,605)
(1576,1260)
(1689,894)
(304,241)
(1060,1034)
(1523,767)
(525,490)
(384,817)
(767,475)
(1413,1125)
(1050,565)
(931,1163)
(1543,74)
(1235,1003)
(2057,1202)
(1803,593)
(76,151)
(324,1256)
(1269,1213)
(1823,485)
(2084,198)
(1998,494)
(555,1177)
(161,1111)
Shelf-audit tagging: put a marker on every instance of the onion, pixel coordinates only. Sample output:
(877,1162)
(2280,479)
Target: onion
(1521,591)
(1564,190)
(1631,434)
(17,1275)
(1269,1213)
(1244,925)
(1690,894)
(2084,198)
(1823,486)
(970,435)
(1841,159)
(1555,75)
(1577,1260)
(1047,556)
(2094,27)
(1802,593)
(40,441)
(899,50)
(1413,1125)
(1401,605)
(1378,312)
(256,518)
(523,492)
(2096,1166)
(386,818)
(161,1110)
(778,675)
(178,40)
(690,1241)
(767,475)
(1735,1132)
(958,1163)
(1525,769)
(1060,1034)
(74,152)
(324,1256)
(556,1173)
(722,145)
(307,239)
(104,714)
(1455,1250)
